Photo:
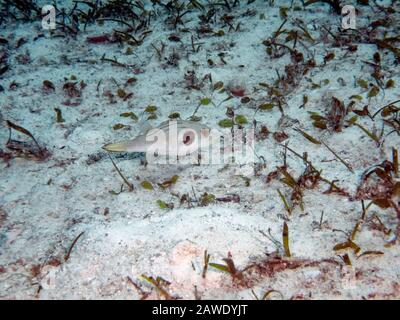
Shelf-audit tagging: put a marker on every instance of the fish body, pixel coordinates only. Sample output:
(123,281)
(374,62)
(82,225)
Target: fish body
(173,138)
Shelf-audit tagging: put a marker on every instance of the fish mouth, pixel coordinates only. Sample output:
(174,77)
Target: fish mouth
(116,147)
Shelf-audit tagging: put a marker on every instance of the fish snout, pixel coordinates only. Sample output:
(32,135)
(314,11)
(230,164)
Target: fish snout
(116,147)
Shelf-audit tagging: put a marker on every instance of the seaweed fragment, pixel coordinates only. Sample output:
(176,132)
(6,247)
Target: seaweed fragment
(207,257)
(312,175)
(129,185)
(72,93)
(206,199)
(114,61)
(346,259)
(285,239)
(159,284)
(308,179)
(308,137)
(167,183)
(370,134)
(48,86)
(369,253)
(267,294)
(232,197)
(119,126)
(274,264)
(280,136)
(131,115)
(336,114)
(395,161)
(348,166)
(230,268)
(143,294)
(226,123)
(285,203)
(383,43)
(349,244)
(380,226)
(59,117)
(379,185)
(101,39)
(240,119)
(23,149)
(147,185)
(66,257)
(163,205)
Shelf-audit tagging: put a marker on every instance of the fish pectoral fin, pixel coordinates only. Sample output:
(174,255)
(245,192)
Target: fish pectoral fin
(145,128)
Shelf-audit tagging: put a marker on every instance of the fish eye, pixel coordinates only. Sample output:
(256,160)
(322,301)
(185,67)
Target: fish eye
(188,138)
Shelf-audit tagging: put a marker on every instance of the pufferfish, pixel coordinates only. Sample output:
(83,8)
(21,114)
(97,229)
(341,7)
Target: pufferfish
(172,138)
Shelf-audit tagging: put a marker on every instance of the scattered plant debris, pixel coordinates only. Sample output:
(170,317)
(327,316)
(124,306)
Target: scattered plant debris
(24,149)
(159,284)
(66,257)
